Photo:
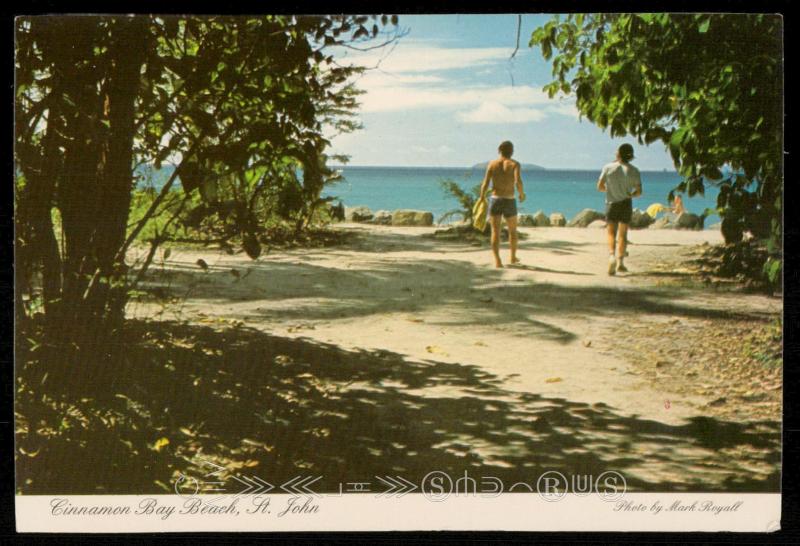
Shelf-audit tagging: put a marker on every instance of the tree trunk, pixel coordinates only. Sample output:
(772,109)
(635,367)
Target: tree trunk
(95,194)
(117,168)
(38,246)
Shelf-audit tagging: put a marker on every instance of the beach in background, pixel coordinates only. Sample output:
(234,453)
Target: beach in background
(564,191)
(419,188)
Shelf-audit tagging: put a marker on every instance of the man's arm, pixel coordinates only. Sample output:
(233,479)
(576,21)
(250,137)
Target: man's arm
(486,178)
(637,189)
(601,182)
(518,182)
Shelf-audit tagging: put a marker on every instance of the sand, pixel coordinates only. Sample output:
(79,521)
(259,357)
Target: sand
(551,326)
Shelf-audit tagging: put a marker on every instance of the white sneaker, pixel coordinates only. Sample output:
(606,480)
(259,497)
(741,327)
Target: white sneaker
(612,265)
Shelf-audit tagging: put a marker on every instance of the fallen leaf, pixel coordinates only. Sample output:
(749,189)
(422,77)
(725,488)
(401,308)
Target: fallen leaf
(160,443)
(587,343)
(435,350)
(553,380)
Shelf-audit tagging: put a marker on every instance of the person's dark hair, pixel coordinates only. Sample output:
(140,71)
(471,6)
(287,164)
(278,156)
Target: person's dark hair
(625,152)
(506,148)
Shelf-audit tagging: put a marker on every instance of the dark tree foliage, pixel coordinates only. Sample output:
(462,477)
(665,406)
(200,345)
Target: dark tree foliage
(710,87)
(240,105)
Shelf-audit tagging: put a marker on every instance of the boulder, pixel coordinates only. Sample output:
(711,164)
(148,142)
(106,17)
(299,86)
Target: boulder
(382,217)
(557,219)
(688,220)
(540,219)
(336,212)
(525,220)
(405,217)
(357,214)
(640,219)
(665,222)
(585,217)
(597,224)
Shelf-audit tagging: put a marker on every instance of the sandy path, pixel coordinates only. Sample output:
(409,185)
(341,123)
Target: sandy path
(546,328)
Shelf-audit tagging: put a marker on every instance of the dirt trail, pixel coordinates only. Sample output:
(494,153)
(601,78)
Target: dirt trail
(557,326)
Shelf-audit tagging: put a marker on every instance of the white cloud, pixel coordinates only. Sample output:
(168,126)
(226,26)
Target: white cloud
(442,149)
(412,76)
(382,96)
(565,108)
(415,58)
(494,112)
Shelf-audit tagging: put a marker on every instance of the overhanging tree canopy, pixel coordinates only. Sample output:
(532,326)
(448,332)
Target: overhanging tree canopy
(708,86)
(240,103)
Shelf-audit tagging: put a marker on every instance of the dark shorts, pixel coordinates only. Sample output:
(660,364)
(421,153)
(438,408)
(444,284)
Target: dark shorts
(621,211)
(507,206)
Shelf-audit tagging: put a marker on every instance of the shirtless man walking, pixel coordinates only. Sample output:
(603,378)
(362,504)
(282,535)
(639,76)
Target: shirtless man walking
(504,174)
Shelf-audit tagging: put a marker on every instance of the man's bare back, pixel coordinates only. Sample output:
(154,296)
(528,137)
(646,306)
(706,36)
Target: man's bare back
(504,173)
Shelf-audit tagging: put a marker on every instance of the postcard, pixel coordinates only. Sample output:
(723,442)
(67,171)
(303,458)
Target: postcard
(398,272)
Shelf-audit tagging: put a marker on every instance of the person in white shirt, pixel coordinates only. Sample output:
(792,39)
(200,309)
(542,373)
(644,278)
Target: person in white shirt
(621,182)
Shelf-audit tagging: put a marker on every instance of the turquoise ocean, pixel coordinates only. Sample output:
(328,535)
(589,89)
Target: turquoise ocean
(549,190)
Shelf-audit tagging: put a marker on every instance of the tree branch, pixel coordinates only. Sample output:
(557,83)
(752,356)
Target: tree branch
(519,29)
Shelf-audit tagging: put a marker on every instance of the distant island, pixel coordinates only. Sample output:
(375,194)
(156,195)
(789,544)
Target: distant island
(524,166)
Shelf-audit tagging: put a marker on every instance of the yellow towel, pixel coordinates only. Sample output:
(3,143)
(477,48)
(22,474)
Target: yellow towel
(479,214)
(654,209)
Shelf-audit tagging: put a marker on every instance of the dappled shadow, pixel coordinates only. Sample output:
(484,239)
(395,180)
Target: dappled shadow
(553,246)
(655,244)
(534,268)
(377,241)
(277,408)
(466,293)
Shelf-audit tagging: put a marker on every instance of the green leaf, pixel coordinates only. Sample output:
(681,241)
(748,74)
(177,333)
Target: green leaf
(703,28)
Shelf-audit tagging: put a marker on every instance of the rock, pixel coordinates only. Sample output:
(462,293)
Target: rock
(640,219)
(687,220)
(357,214)
(382,217)
(597,224)
(664,222)
(526,220)
(585,217)
(405,217)
(540,219)
(557,219)
(336,212)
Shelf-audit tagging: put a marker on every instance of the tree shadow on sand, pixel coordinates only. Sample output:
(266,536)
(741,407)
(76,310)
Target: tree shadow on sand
(467,294)
(186,398)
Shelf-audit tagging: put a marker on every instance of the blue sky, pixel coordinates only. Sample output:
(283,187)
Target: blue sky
(448,93)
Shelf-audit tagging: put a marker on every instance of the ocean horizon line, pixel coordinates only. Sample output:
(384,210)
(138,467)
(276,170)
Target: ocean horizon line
(470,167)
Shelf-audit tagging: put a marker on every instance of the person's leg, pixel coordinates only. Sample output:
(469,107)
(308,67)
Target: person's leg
(511,221)
(611,228)
(496,220)
(623,243)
